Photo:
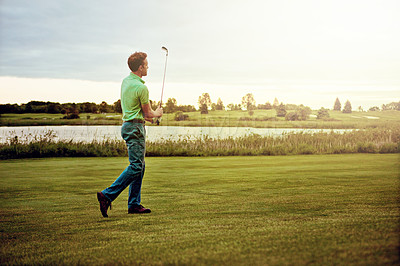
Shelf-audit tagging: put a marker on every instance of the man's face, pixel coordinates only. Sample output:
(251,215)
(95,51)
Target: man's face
(145,66)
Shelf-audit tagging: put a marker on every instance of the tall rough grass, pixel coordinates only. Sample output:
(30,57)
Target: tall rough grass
(366,141)
(362,141)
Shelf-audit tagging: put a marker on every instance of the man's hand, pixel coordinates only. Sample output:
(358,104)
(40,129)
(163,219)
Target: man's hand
(149,113)
(159,112)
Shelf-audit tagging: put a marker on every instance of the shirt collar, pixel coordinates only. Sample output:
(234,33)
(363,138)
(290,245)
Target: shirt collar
(137,77)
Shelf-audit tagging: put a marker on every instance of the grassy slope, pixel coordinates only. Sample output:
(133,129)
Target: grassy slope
(335,209)
(217,118)
(43,119)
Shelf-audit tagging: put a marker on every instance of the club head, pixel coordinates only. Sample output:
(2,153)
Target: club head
(165,49)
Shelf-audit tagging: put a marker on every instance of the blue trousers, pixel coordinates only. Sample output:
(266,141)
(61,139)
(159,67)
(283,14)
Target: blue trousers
(134,135)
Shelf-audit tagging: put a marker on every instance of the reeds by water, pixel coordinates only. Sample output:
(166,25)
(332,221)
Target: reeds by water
(377,140)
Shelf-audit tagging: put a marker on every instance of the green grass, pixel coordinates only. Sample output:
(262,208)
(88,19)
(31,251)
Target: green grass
(260,119)
(268,119)
(289,210)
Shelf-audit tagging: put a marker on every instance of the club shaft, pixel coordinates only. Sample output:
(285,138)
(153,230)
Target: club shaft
(165,71)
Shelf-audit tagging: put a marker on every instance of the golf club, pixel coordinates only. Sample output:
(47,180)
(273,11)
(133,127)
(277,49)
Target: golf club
(165,71)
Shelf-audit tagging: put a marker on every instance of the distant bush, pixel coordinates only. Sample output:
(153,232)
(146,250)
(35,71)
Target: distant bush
(301,113)
(292,116)
(280,110)
(266,106)
(180,116)
(374,109)
(71,116)
(323,113)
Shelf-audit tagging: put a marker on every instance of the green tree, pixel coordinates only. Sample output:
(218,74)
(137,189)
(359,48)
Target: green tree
(53,108)
(347,107)
(337,106)
(276,103)
(292,116)
(10,108)
(170,106)
(186,108)
(104,107)
(249,102)
(301,113)
(213,106)
(204,103)
(117,107)
(154,105)
(266,106)
(36,107)
(281,110)
(71,111)
(291,106)
(304,112)
(87,107)
(219,105)
(234,107)
(391,106)
(323,113)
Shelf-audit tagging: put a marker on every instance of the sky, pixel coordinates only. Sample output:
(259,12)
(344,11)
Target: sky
(298,51)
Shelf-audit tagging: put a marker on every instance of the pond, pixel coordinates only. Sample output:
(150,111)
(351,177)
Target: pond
(154,133)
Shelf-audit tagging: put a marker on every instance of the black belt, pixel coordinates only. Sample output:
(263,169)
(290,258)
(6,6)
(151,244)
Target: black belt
(136,121)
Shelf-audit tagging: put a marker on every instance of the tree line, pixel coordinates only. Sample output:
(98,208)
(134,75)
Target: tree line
(70,110)
(248,103)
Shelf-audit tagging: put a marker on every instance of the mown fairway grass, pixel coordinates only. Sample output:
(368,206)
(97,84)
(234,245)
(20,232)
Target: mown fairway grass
(296,210)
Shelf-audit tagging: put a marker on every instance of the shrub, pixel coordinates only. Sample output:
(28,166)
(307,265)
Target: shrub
(280,110)
(302,113)
(71,116)
(323,113)
(180,116)
(292,116)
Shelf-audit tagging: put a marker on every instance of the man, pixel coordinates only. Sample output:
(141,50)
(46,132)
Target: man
(135,109)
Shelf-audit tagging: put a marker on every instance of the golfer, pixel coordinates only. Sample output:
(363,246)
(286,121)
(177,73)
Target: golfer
(135,110)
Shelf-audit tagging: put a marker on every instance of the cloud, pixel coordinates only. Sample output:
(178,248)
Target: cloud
(232,44)
(63,39)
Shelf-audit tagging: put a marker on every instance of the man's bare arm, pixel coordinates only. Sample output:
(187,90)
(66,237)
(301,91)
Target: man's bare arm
(149,114)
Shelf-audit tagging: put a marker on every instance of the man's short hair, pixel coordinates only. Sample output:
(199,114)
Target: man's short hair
(136,60)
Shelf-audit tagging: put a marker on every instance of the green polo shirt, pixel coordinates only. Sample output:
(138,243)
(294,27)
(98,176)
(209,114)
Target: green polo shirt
(133,94)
